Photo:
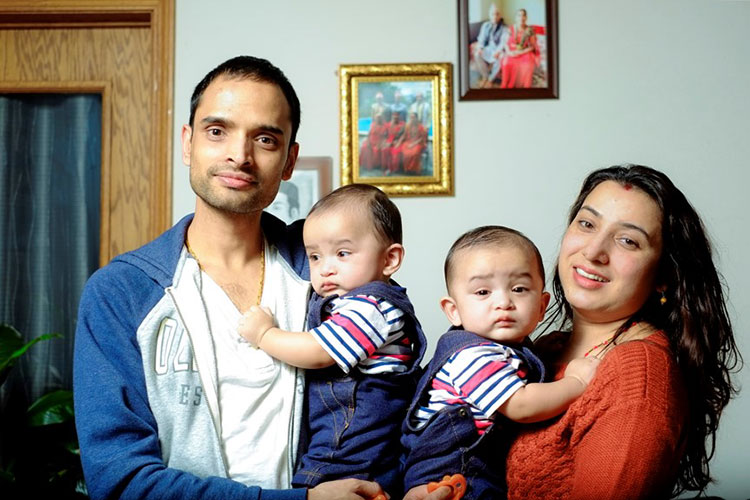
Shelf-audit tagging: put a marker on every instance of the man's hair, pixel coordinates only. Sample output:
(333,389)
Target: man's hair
(485,236)
(251,68)
(384,214)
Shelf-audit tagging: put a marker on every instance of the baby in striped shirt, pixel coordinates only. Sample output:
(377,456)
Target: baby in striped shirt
(496,298)
(363,340)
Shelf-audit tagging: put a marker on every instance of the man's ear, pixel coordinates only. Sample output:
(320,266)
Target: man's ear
(544,304)
(291,160)
(448,305)
(187,135)
(394,256)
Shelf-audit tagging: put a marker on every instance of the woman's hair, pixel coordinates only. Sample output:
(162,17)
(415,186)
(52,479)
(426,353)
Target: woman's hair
(694,316)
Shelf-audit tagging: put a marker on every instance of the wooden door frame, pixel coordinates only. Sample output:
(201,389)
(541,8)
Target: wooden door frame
(158,17)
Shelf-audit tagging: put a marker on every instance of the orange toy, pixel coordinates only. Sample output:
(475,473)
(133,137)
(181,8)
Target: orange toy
(456,482)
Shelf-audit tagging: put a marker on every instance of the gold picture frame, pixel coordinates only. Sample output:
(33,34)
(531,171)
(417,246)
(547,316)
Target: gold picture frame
(397,127)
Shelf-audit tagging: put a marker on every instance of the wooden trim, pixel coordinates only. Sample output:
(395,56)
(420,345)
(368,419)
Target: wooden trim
(55,20)
(158,17)
(163,20)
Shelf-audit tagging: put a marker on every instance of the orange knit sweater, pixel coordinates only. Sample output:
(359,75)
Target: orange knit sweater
(622,439)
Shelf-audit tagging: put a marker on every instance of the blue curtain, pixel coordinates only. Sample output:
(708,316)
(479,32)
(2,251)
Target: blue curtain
(50,177)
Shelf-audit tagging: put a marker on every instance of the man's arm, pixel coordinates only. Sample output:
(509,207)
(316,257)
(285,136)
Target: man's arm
(120,449)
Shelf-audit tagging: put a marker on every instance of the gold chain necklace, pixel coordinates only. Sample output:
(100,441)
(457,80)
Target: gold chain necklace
(262,266)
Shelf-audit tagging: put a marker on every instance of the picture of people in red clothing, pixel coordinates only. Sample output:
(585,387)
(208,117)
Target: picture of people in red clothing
(394,126)
(507,49)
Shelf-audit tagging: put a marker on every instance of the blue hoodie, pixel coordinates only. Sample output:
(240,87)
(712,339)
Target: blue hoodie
(133,348)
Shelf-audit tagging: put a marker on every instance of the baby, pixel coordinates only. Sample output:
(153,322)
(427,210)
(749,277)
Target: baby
(361,325)
(482,367)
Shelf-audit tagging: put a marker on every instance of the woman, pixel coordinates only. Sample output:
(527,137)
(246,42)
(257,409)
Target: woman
(521,55)
(371,153)
(635,286)
(415,142)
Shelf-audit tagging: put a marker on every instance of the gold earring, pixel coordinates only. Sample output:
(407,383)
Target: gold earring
(663,299)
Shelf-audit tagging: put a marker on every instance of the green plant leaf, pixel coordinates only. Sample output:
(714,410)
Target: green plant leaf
(12,347)
(53,408)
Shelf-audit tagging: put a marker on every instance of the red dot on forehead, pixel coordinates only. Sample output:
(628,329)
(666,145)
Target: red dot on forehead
(628,187)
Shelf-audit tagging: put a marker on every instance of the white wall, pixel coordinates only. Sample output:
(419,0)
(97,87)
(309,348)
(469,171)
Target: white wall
(663,83)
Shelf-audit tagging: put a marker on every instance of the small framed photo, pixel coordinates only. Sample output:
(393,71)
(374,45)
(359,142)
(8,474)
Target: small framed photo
(507,49)
(397,127)
(311,180)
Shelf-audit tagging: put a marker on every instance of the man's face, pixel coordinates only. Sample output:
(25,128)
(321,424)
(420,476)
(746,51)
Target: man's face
(494,14)
(238,148)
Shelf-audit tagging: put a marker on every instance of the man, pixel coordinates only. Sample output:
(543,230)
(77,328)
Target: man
(487,51)
(170,403)
(422,109)
(398,107)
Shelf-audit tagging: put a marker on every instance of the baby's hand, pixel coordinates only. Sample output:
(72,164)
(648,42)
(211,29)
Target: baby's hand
(583,369)
(254,323)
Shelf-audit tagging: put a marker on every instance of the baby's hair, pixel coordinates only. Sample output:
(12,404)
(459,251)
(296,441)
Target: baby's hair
(384,215)
(484,236)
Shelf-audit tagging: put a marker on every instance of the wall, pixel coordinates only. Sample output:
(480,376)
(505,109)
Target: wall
(662,83)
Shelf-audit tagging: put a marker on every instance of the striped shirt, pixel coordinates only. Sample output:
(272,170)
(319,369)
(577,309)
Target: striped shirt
(366,332)
(483,376)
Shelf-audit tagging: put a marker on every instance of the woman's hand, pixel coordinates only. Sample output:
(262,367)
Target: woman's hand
(346,489)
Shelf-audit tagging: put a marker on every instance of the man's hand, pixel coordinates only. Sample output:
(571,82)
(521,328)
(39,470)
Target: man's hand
(254,323)
(345,489)
(420,493)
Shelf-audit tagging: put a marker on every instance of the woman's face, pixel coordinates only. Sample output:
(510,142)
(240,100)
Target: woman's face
(610,253)
(520,18)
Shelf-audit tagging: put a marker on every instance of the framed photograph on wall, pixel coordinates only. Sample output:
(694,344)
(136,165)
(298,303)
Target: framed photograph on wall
(396,127)
(311,180)
(507,49)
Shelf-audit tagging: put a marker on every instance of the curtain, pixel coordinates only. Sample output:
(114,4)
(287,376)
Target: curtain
(50,176)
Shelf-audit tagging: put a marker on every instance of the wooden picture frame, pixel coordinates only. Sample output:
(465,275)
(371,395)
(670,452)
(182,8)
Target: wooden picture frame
(397,127)
(311,180)
(515,58)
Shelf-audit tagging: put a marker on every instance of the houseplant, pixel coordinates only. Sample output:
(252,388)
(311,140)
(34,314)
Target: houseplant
(39,451)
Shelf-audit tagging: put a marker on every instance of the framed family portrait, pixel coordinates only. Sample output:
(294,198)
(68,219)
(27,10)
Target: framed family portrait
(311,180)
(507,49)
(397,126)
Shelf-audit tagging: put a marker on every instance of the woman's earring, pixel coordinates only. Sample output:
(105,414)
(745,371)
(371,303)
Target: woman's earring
(663,299)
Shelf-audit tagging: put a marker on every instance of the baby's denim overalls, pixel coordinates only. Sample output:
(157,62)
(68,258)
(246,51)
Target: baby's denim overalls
(449,443)
(355,419)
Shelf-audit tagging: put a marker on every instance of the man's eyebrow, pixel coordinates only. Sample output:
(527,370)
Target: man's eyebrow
(216,120)
(272,129)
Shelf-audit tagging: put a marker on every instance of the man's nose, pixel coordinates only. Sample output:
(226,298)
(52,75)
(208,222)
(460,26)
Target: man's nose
(240,150)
